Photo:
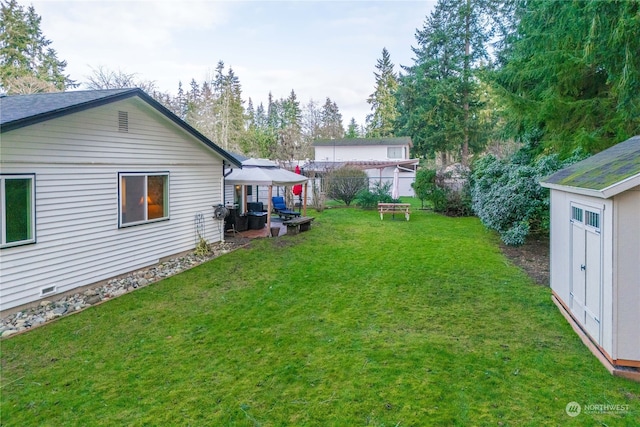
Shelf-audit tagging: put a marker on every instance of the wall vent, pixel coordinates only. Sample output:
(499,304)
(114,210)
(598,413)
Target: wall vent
(48,290)
(123,121)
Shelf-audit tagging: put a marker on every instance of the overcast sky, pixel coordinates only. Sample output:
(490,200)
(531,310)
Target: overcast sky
(317,48)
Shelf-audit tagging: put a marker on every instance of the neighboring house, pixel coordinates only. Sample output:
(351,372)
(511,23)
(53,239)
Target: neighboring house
(595,252)
(378,157)
(95,184)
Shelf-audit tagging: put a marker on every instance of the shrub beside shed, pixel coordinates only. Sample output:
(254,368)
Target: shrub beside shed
(595,252)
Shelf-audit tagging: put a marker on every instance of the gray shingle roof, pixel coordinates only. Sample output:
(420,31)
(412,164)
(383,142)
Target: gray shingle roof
(21,110)
(403,140)
(18,111)
(602,172)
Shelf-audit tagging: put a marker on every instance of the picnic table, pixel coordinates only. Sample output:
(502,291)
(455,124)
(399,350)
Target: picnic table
(392,208)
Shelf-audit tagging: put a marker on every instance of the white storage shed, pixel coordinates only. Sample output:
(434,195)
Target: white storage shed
(595,252)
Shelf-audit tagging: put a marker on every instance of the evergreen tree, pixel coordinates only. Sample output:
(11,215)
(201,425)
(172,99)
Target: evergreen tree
(180,103)
(27,63)
(292,113)
(250,115)
(331,127)
(235,110)
(261,117)
(440,96)
(352,129)
(258,139)
(381,122)
(571,72)
(289,133)
(273,113)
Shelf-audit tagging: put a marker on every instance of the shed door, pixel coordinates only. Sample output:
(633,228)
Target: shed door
(586,270)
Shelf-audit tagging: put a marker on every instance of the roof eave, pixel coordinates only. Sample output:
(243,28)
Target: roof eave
(574,190)
(605,193)
(38,118)
(621,186)
(28,121)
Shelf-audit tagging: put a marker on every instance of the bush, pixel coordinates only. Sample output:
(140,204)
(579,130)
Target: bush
(424,184)
(380,193)
(345,183)
(507,197)
(454,202)
(431,186)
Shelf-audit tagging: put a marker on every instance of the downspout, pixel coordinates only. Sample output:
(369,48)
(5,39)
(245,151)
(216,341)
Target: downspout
(224,184)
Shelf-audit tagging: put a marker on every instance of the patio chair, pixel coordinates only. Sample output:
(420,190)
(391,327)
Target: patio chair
(280,207)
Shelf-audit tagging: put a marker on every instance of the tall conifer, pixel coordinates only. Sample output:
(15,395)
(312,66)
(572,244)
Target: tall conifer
(27,62)
(381,122)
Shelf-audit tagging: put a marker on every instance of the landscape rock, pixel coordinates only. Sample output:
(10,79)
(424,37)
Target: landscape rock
(93,299)
(49,310)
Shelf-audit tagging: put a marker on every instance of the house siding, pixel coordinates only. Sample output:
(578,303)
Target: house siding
(377,152)
(342,153)
(76,160)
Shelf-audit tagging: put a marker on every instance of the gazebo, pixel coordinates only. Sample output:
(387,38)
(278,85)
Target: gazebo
(264,172)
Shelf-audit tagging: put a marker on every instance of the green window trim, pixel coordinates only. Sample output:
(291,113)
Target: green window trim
(17,210)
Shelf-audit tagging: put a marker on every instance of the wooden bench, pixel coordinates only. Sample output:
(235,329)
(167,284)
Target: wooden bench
(392,208)
(298,225)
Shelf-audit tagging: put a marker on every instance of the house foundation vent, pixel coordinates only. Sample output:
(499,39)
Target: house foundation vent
(48,290)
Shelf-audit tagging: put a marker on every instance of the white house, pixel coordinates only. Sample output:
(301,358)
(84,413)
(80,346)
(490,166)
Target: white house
(94,184)
(378,157)
(595,252)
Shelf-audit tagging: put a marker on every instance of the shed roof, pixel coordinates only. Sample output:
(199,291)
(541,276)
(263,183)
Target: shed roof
(403,140)
(17,111)
(603,175)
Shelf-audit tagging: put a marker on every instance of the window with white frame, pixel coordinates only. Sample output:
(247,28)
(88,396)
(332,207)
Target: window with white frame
(593,219)
(576,214)
(395,153)
(17,210)
(144,197)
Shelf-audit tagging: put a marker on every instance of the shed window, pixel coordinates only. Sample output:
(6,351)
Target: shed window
(17,206)
(576,214)
(593,219)
(144,197)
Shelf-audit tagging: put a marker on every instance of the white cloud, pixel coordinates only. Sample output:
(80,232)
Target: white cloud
(318,48)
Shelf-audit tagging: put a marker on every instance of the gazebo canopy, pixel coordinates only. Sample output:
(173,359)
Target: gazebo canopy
(263,172)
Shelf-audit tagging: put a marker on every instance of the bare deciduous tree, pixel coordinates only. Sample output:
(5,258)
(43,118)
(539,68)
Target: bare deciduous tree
(105,78)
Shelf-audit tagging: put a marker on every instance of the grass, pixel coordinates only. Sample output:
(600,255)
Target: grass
(357,322)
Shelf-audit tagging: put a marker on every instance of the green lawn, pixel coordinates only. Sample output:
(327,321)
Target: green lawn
(357,322)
